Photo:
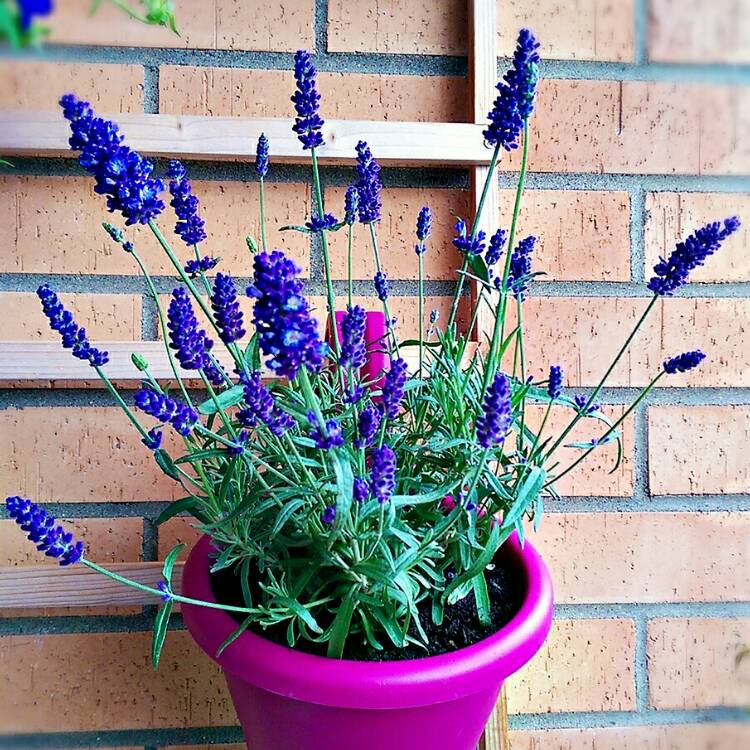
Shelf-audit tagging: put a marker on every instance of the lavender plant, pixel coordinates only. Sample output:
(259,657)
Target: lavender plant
(351,508)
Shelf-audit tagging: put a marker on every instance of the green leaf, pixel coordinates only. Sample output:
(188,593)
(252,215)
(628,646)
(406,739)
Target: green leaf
(184,504)
(527,494)
(170,560)
(166,464)
(302,612)
(369,633)
(295,228)
(286,513)
(161,623)
(226,399)
(344,484)
(200,455)
(482,598)
(342,624)
(233,636)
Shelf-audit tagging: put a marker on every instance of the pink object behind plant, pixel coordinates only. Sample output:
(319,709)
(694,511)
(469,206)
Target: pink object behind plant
(290,700)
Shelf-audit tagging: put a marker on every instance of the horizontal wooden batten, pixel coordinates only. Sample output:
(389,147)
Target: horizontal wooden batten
(194,137)
(79,586)
(47,364)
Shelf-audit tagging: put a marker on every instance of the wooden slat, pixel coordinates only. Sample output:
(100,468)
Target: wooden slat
(193,137)
(79,586)
(483,70)
(48,362)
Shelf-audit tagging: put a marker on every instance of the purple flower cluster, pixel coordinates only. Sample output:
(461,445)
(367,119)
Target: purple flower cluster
(465,243)
(382,287)
(260,406)
(322,223)
(190,226)
(369,185)
(351,205)
(190,342)
(325,439)
(494,422)
(684,362)
(261,156)
(306,100)
(288,332)
(353,351)
(581,401)
(496,247)
(329,515)
(555,385)
(516,93)
(368,425)
(194,267)
(362,490)
(27,9)
(73,337)
(520,267)
(226,309)
(424,227)
(672,273)
(166,410)
(393,388)
(121,174)
(42,529)
(383,473)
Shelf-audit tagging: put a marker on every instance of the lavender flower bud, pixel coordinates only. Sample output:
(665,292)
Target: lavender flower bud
(520,268)
(393,388)
(361,490)
(383,473)
(684,362)
(332,437)
(322,223)
(353,351)
(41,529)
(329,515)
(153,439)
(555,386)
(672,273)
(306,100)
(424,227)
(368,425)
(190,226)
(261,156)
(351,205)
(194,267)
(581,401)
(382,286)
(463,241)
(166,410)
(495,250)
(260,406)
(123,175)
(368,185)
(226,309)
(493,424)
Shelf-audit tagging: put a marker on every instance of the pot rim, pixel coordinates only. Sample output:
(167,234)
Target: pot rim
(367,684)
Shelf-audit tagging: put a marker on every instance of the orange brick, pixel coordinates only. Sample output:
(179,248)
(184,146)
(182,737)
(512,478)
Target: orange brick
(639,127)
(671,217)
(38,86)
(696,31)
(682,737)
(583,235)
(592,476)
(70,454)
(646,557)
(587,30)
(107,540)
(106,682)
(692,663)
(53,225)
(585,665)
(115,317)
(583,334)
(590,30)
(178,530)
(360,96)
(698,449)
(217,24)
(396,236)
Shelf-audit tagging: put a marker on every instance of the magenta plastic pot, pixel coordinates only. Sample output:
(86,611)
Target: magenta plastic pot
(289,700)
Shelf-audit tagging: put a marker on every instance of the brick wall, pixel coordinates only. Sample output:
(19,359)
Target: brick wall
(642,133)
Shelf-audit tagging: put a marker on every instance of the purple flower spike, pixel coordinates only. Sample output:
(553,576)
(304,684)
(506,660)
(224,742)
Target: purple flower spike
(27,9)
(322,223)
(123,175)
(194,267)
(329,515)
(191,344)
(362,490)
(73,337)
(368,185)
(333,436)
(672,273)
(288,332)
(493,424)
(351,205)
(261,156)
(463,241)
(520,268)
(190,226)
(555,386)
(684,362)
(516,94)
(383,474)
(496,247)
(260,406)
(581,402)
(306,100)
(424,227)
(166,410)
(353,351)
(42,529)
(368,425)
(393,388)
(382,287)
(226,309)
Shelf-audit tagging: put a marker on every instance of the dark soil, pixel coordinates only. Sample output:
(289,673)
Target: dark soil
(460,627)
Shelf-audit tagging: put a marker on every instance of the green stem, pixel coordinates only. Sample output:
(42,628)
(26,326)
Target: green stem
(421,309)
(349,262)
(379,269)
(263,242)
(123,6)
(128,411)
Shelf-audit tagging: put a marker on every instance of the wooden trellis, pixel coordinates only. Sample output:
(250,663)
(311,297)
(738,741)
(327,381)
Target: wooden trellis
(44,364)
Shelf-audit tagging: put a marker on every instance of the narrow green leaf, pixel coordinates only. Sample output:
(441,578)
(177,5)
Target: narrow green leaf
(527,494)
(233,636)
(231,397)
(285,514)
(170,560)
(161,623)
(184,504)
(166,464)
(342,623)
(482,598)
